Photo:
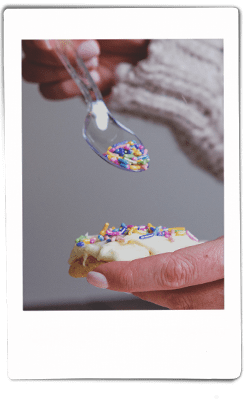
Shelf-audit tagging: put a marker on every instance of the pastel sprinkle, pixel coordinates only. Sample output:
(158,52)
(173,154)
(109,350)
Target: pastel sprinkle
(135,167)
(80,244)
(80,238)
(102,232)
(144,231)
(156,230)
(128,155)
(146,236)
(191,236)
(123,231)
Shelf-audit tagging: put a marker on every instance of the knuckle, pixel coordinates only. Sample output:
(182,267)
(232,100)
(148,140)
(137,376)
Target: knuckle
(186,303)
(126,279)
(182,302)
(177,271)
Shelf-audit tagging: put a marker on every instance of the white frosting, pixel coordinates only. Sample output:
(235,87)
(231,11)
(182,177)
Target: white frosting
(124,251)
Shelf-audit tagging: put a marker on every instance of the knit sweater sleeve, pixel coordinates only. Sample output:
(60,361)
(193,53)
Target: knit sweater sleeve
(179,84)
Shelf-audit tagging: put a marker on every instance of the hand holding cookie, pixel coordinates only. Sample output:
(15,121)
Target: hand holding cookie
(188,278)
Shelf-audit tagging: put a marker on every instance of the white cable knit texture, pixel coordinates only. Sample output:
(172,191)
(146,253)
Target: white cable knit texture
(179,84)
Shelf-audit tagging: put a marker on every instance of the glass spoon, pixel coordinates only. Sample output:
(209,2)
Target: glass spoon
(110,140)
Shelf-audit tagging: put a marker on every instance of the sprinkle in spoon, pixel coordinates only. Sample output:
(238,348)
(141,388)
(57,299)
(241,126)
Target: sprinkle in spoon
(107,137)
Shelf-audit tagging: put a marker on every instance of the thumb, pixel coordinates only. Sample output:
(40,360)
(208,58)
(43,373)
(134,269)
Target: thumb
(185,267)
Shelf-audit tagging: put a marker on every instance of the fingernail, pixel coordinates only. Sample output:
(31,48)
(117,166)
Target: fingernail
(95,75)
(93,62)
(97,279)
(88,49)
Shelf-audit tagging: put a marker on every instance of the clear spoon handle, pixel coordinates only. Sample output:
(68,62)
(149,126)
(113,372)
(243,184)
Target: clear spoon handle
(91,83)
(60,51)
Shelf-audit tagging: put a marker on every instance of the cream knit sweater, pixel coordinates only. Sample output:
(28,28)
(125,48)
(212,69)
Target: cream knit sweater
(179,84)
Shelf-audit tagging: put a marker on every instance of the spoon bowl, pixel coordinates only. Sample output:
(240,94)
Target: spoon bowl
(101,130)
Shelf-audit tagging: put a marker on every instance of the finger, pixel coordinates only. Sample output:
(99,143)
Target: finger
(64,89)
(185,267)
(41,73)
(39,53)
(43,52)
(59,90)
(209,296)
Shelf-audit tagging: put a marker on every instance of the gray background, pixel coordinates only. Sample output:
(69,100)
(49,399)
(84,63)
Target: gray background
(68,191)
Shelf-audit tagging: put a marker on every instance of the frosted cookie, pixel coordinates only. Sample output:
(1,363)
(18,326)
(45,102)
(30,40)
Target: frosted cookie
(126,243)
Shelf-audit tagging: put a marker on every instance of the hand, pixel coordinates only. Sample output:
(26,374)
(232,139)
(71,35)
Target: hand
(189,278)
(41,64)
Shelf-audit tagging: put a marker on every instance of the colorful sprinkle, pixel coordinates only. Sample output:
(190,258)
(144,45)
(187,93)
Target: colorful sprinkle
(167,234)
(122,231)
(80,244)
(128,155)
(146,236)
(145,231)
(80,239)
(102,232)
(191,236)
